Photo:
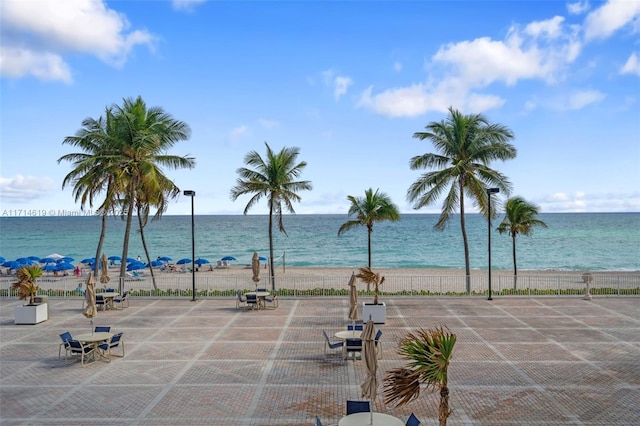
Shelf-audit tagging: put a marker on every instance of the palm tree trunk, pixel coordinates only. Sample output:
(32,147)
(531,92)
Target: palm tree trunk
(515,268)
(369,229)
(443,410)
(272,277)
(463,227)
(146,250)
(103,231)
(127,231)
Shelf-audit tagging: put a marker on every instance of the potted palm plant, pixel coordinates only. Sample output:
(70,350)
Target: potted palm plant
(428,353)
(375,310)
(27,288)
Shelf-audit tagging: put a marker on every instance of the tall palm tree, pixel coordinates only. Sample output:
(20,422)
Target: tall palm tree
(520,218)
(95,170)
(466,144)
(273,177)
(26,285)
(373,207)
(144,135)
(429,353)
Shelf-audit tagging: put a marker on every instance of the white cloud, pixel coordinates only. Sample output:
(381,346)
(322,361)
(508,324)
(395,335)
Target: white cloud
(578,7)
(632,66)
(186,5)
(585,202)
(238,133)
(580,99)
(25,188)
(339,83)
(42,31)
(550,28)
(610,17)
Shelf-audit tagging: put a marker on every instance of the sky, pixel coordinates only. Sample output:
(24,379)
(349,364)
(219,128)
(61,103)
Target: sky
(347,82)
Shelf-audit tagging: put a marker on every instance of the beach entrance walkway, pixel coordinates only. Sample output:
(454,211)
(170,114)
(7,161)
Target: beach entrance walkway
(517,361)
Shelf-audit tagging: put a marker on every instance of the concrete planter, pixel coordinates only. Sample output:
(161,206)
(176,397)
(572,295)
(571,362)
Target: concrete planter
(378,313)
(31,314)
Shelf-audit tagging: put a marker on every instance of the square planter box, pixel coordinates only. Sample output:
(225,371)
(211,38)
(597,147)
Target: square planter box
(377,312)
(33,314)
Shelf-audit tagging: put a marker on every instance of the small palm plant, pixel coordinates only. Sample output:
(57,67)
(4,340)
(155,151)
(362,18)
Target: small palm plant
(26,285)
(369,277)
(429,353)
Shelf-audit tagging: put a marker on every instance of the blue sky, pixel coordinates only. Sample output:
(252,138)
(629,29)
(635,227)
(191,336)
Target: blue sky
(347,82)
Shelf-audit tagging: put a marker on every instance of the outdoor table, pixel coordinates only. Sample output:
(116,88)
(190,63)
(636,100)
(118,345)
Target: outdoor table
(349,334)
(108,298)
(260,295)
(363,419)
(95,339)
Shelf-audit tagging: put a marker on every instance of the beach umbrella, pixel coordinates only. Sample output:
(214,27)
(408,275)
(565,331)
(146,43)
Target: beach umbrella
(67,259)
(131,260)
(255,268)
(134,266)
(183,261)
(353,297)
(114,258)
(12,264)
(262,259)
(90,297)
(370,385)
(24,261)
(34,258)
(165,258)
(155,263)
(229,258)
(88,261)
(64,266)
(200,261)
(54,256)
(2,259)
(104,276)
(47,260)
(50,267)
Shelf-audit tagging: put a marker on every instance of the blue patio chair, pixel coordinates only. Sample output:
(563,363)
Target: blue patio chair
(273,301)
(76,348)
(378,344)
(66,336)
(357,407)
(109,290)
(120,301)
(412,420)
(328,345)
(102,329)
(115,342)
(241,301)
(357,327)
(318,422)
(252,300)
(353,346)
(101,303)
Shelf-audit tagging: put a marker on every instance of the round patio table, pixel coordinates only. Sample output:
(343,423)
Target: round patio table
(363,419)
(349,334)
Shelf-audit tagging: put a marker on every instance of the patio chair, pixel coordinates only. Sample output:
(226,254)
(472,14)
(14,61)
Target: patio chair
(252,301)
(101,303)
(76,348)
(353,346)
(318,422)
(378,344)
(241,301)
(358,327)
(66,336)
(412,420)
(357,407)
(102,329)
(330,345)
(118,302)
(115,342)
(273,301)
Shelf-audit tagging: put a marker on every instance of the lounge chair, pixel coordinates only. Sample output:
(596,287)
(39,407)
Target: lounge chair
(328,344)
(241,301)
(76,348)
(66,336)
(115,342)
(357,407)
(412,420)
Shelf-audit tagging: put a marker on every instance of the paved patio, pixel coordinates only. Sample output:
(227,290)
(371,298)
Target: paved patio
(518,361)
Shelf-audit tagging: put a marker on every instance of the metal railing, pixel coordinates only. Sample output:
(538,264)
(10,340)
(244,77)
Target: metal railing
(174,285)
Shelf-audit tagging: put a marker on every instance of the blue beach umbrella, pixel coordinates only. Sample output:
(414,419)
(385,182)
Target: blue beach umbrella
(229,258)
(155,263)
(2,259)
(134,266)
(47,260)
(262,258)
(34,258)
(65,266)
(118,258)
(67,259)
(200,261)
(23,260)
(50,267)
(12,264)
(165,258)
(88,261)
(183,261)
(131,260)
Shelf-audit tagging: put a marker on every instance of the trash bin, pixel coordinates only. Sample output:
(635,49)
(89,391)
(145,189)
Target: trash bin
(42,299)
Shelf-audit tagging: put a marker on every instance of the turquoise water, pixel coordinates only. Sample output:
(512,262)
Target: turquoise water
(573,241)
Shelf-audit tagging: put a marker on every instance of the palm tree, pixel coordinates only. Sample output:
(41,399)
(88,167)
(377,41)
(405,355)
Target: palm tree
(144,135)
(273,177)
(520,218)
(373,207)
(429,353)
(26,285)
(466,145)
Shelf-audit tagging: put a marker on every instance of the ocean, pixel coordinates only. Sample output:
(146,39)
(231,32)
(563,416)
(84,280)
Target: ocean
(572,241)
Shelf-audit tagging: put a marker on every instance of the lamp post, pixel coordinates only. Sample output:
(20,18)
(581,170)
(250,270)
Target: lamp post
(489,192)
(193,247)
